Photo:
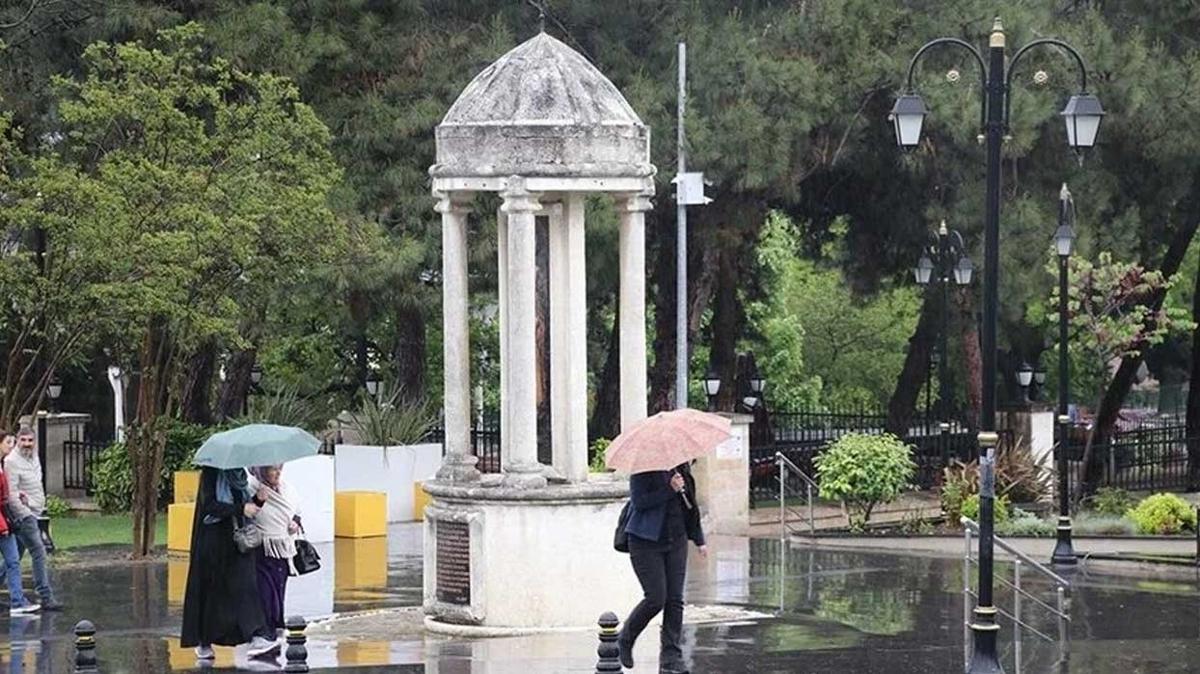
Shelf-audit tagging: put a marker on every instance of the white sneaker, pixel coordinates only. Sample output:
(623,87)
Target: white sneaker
(24,610)
(205,653)
(260,647)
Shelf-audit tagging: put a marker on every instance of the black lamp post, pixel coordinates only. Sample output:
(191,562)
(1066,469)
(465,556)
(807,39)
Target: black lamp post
(1039,381)
(754,384)
(1025,380)
(1082,115)
(1064,243)
(947,255)
(712,387)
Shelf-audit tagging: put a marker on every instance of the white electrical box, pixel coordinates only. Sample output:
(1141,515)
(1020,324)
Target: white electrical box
(689,189)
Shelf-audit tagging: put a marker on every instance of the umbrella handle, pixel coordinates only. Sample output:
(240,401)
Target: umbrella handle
(686,501)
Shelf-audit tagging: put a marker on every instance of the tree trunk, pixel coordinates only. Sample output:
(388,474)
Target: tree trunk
(1193,399)
(662,373)
(542,337)
(1122,381)
(410,351)
(972,363)
(196,402)
(727,325)
(903,402)
(237,384)
(606,415)
(147,437)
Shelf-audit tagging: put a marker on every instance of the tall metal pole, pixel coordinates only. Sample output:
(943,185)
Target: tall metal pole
(1064,550)
(945,272)
(681,257)
(984,659)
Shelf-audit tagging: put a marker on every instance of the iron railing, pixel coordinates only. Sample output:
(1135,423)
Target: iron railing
(1147,458)
(793,480)
(79,457)
(1061,610)
(485,442)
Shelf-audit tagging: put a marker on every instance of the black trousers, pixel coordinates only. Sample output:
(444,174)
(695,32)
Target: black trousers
(661,569)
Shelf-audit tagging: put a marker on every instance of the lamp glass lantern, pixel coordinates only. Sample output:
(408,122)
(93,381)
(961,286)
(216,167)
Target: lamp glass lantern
(1064,240)
(1039,376)
(964,271)
(1082,116)
(373,384)
(757,382)
(908,116)
(1025,375)
(55,388)
(924,270)
(712,383)
(256,375)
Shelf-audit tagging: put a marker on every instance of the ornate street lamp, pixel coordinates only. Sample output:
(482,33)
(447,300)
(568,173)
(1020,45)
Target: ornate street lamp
(712,387)
(256,374)
(1064,244)
(1082,116)
(372,383)
(54,390)
(947,256)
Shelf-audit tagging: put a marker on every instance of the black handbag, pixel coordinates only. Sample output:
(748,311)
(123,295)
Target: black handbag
(306,560)
(620,538)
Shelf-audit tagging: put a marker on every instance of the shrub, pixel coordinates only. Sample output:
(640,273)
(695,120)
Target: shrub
(1111,501)
(1163,514)
(57,506)
(596,452)
(1020,477)
(970,508)
(112,476)
(286,407)
(394,421)
(1103,525)
(1025,525)
(863,471)
(957,486)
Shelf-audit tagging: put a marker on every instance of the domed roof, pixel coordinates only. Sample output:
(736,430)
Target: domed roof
(542,109)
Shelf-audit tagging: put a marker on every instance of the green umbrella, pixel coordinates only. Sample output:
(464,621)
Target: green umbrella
(256,445)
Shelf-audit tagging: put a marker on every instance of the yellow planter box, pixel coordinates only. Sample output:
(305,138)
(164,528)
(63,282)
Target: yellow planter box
(177,574)
(359,563)
(187,484)
(179,526)
(360,514)
(421,498)
(364,653)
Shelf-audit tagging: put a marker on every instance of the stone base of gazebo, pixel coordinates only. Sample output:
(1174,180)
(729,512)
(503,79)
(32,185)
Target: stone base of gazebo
(505,560)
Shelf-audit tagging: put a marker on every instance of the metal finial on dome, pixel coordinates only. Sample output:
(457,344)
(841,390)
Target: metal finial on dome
(541,17)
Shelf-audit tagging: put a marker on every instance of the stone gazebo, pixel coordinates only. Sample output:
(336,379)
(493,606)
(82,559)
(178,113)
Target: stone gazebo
(532,548)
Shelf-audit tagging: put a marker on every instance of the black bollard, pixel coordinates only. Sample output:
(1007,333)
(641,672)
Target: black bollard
(609,654)
(297,652)
(85,648)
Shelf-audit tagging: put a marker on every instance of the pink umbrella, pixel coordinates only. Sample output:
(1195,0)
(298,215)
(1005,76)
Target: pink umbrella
(667,440)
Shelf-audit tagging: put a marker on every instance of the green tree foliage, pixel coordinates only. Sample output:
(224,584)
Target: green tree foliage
(819,341)
(209,185)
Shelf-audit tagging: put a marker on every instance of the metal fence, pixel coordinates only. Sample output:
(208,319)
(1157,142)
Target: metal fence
(79,458)
(485,442)
(1148,458)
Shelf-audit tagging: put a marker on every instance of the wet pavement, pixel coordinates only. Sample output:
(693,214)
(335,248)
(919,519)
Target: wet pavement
(831,611)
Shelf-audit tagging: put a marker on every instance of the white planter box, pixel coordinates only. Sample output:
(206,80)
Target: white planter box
(312,478)
(391,470)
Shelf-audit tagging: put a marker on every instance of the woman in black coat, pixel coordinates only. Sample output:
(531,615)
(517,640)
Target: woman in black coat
(663,517)
(220,605)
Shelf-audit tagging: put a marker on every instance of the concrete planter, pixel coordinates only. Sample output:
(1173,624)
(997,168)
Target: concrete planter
(391,470)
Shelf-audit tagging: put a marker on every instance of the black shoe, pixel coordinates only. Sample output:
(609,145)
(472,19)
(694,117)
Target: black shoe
(52,606)
(625,653)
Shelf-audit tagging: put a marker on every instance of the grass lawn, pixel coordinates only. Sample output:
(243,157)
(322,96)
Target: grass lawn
(85,530)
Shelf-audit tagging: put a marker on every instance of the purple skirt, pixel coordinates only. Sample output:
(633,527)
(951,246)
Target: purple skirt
(272,587)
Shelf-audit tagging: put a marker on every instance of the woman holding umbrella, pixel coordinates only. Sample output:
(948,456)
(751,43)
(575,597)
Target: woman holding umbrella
(663,517)
(221,603)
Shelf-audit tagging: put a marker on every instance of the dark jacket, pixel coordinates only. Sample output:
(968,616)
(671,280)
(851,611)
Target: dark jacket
(649,494)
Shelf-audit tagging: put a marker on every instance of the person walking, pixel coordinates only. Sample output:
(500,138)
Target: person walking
(26,501)
(279,522)
(663,517)
(17,602)
(221,604)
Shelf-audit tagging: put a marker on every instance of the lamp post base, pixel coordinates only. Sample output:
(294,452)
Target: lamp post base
(984,659)
(1064,550)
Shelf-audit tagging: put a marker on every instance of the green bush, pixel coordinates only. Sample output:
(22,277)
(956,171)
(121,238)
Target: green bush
(1103,525)
(1111,501)
(596,451)
(112,476)
(863,471)
(970,508)
(393,422)
(1163,514)
(57,506)
(1025,525)
(954,492)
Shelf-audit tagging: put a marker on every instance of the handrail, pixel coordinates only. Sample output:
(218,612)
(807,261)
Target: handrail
(780,458)
(1037,566)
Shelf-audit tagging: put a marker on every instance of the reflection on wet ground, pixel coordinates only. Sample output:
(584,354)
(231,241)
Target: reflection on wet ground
(834,611)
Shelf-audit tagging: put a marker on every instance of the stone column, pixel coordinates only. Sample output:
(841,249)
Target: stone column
(502,276)
(633,308)
(522,468)
(458,464)
(568,339)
